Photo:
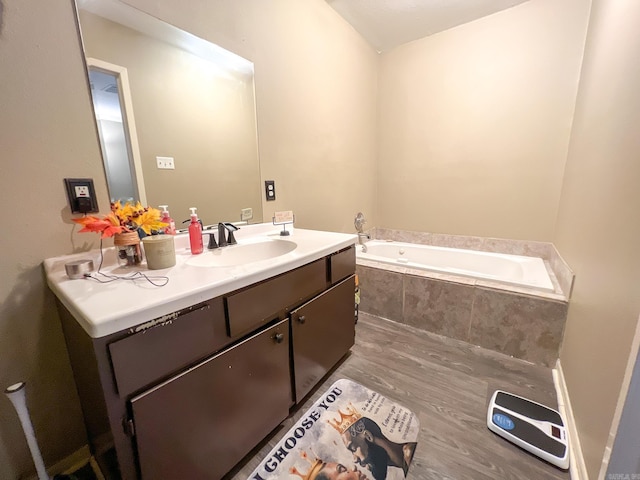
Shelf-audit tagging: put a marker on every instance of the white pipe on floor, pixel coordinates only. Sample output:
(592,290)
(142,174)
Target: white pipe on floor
(16,393)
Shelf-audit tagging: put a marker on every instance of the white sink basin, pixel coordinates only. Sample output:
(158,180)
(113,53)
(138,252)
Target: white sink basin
(242,253)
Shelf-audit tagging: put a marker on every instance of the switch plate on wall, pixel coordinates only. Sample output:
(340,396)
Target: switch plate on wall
(246,214)
(270,189)
(166,163)
(81,195)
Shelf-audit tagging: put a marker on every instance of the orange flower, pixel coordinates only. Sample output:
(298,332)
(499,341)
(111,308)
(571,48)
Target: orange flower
(123,218)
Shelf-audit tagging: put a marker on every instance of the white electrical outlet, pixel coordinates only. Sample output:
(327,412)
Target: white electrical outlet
(246,214)
(81,191)
(165,163)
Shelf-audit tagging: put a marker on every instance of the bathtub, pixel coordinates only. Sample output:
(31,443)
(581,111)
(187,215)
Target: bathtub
(503,268)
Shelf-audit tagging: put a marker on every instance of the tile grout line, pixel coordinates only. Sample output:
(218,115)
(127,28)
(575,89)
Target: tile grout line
(473,304)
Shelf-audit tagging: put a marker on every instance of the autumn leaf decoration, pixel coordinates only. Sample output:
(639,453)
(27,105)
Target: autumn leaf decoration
(123,218)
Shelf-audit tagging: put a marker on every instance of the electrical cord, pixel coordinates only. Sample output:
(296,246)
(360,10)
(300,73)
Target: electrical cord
(155,280)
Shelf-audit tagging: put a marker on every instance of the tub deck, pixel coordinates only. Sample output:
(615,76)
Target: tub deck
(503,269)
(520,321)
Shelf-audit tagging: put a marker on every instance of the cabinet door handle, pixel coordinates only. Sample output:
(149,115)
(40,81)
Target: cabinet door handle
(278,337)
(301,319)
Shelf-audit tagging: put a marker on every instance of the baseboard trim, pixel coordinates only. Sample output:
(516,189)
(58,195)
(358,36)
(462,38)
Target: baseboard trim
(577,467)
(73,462)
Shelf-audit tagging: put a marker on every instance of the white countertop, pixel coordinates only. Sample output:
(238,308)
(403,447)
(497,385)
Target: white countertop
(105,308)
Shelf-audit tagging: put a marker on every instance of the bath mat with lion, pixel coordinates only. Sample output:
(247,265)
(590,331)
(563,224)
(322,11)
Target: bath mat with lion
(350,433)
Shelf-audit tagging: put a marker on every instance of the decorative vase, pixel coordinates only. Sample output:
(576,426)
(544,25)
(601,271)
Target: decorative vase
(128,248)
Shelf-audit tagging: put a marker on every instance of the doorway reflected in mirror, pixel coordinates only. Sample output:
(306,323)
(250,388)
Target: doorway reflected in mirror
(193,102)
(107,93)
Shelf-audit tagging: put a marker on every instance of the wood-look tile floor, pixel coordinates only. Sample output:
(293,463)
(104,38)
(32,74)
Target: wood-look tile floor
(448,384)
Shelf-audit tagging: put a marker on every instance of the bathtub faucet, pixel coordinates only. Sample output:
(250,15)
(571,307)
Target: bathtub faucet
(364,236)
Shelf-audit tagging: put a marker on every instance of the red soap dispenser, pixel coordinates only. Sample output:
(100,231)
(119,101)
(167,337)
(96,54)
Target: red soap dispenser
(195,233)
(170,229)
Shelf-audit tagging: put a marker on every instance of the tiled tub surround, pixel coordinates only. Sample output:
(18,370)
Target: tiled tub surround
(516,321)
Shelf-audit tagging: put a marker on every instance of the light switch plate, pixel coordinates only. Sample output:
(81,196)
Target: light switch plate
(165,163)
(246,214)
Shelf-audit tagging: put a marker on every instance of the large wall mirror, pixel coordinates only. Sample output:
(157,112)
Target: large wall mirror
(161,93)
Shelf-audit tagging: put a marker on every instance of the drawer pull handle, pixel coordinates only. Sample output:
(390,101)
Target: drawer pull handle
(278,337)
(301,319)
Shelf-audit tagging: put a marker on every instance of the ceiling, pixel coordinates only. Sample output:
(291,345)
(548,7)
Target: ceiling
(385,24)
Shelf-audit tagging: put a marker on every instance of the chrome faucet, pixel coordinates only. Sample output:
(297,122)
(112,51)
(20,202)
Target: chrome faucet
(359,222)
(364,236)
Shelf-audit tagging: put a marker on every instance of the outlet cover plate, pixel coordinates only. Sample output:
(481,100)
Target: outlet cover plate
(270,190)
(81,188)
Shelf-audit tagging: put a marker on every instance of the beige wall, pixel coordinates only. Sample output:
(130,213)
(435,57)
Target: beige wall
(316,91)
(316,94)
(598,228)
(474,123)
(193,110)
(46,134)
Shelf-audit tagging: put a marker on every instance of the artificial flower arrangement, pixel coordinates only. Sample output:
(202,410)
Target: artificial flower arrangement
(125,218)
(127,223)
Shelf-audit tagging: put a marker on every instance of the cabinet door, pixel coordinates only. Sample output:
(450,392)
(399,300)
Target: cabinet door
(323,331)
(200,423)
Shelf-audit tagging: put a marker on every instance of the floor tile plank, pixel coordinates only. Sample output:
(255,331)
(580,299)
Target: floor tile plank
(448,384)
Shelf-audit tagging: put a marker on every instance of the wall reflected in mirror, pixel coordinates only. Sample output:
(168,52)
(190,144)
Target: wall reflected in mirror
(161,92)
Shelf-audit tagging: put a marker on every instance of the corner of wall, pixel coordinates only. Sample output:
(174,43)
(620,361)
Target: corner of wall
(577,466)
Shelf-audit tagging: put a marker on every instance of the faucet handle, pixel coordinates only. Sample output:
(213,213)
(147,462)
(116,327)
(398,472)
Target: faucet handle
(212,242)
(231,240)
(226,227)
(188,220)
(222,239)
(359,222)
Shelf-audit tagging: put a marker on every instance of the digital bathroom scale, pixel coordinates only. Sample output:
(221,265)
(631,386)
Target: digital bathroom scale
(530,425)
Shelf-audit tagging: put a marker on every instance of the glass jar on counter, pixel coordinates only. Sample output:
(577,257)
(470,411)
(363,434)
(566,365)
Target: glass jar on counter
(128,249)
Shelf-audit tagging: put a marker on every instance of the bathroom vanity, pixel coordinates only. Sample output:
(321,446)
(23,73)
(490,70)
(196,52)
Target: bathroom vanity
(182,381)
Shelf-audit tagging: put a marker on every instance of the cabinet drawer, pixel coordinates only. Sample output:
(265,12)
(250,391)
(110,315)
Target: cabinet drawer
(199,424)
(342,264)
(149,355)
(251,308)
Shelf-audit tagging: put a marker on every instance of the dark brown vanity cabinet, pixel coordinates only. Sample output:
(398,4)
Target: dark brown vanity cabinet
(188,395)
(199,424)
